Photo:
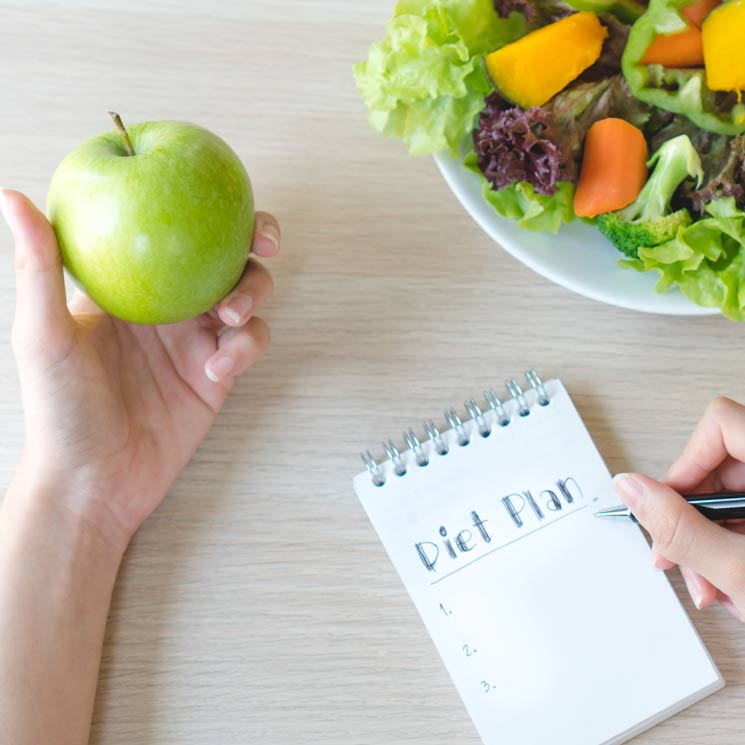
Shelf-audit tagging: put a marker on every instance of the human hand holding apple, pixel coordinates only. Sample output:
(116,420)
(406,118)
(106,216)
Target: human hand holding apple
(113,409)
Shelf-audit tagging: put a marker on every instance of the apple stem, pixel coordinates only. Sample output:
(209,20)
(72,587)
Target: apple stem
(123,132)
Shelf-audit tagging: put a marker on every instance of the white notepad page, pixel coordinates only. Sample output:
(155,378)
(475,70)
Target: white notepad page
(554,627)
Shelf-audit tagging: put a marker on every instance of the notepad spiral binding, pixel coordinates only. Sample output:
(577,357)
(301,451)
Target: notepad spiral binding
(474,413)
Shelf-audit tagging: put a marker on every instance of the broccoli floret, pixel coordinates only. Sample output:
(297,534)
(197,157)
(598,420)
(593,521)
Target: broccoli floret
(629,236)
(648,222)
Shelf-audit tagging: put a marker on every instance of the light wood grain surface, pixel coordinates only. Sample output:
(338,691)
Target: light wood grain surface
(257,605)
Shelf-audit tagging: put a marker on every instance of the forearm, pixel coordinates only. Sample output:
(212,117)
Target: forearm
(56,577)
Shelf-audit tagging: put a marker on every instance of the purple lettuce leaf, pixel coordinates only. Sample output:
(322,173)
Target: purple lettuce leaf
(517,145)
(536,12)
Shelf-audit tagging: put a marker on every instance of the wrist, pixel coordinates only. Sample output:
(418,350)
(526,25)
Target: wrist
(73,512)
(57,574)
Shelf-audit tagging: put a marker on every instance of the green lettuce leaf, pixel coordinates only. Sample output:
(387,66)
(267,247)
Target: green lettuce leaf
(682,91)
(425,81)
(531,211)
(520,202)
(706,260)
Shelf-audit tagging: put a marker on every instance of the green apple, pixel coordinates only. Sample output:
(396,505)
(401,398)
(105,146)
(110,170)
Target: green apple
(153,221)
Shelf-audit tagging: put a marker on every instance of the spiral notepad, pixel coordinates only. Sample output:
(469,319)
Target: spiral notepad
(552,624)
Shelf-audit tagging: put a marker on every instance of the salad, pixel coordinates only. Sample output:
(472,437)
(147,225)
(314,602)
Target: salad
(620,113)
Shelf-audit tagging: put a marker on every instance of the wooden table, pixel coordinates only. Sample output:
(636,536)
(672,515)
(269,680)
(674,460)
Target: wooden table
(257,605)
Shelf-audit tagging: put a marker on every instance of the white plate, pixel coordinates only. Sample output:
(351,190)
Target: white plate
(578,258)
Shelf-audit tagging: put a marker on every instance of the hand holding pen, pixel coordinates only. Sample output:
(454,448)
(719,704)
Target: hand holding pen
(711,555)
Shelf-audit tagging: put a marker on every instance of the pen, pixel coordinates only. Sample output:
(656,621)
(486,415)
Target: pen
(718,506)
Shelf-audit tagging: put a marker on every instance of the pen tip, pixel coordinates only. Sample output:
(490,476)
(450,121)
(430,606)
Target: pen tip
(620,511)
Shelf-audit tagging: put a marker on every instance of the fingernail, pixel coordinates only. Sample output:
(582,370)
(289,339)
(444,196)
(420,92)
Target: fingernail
(694,590)
(270,232)
(219,369)
(630,489)
(238,307)
(655,558)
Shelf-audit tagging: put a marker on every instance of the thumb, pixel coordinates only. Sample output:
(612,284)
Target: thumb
(42,319)
(681,533)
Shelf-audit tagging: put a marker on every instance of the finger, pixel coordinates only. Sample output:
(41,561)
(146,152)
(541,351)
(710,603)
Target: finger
(659,561)
(712,483)
(254,287)
(730,475)
(702,592)
(266,235)
(717,435)
(681,533)
(41,310)
(237,350)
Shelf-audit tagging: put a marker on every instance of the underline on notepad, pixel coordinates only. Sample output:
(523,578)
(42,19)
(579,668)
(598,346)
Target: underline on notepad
(504,545)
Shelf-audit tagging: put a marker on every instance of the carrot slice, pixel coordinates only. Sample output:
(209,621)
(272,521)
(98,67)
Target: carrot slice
(699,10)
(614,168)
(676,50)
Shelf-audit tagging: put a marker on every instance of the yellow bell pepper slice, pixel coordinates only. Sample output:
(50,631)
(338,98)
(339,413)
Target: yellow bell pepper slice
(536,67)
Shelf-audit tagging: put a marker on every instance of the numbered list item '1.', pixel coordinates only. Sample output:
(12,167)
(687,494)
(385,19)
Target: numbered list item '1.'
(552,624)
